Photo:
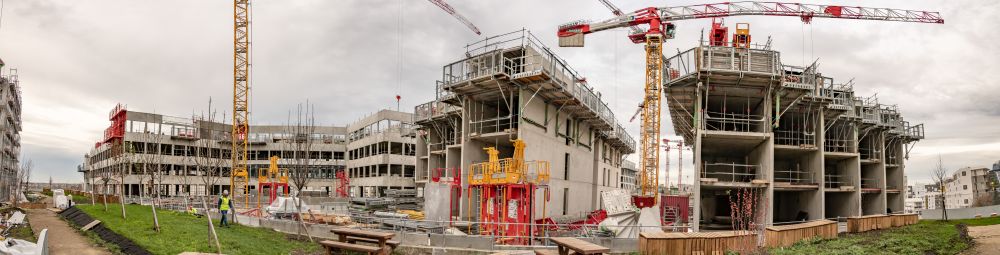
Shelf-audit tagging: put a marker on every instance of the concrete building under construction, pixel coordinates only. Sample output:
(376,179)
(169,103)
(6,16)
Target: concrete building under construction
(511,87)
(810,146)
(10,145)
(376,151)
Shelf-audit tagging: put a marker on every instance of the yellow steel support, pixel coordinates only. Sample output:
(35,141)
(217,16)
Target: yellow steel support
(650,153)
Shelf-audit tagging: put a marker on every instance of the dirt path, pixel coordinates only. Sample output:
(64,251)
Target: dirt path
(63,239)
(987,240)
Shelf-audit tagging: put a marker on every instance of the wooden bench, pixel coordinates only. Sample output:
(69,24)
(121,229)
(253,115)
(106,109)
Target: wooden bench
(334,247)
(354,239)
(546,252)
(577,246)
(381,239)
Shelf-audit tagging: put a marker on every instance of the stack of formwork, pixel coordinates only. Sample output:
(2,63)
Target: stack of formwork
(809,146)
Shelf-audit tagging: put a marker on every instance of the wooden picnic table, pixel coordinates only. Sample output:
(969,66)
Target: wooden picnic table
(578,246)
(381,237)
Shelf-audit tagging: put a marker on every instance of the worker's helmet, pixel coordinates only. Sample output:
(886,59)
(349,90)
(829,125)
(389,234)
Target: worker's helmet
(225,192)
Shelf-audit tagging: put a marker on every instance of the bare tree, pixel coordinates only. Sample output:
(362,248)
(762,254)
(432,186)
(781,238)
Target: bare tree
(150,159)
(22,176)
(300,172)
(208,161)
(121,166)
(106,174)
(940,175)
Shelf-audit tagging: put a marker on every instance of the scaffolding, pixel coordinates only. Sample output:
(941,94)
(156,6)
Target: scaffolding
(727,117)
(797,130)
(838,138)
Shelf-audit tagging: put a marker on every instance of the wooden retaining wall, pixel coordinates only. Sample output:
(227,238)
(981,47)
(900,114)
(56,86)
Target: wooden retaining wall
(696,243)
(904,219)
(786,235)
(880,221)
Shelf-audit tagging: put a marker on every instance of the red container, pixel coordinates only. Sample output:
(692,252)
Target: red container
(681,203)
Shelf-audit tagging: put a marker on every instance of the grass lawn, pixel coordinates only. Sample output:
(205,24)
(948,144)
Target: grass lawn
(181,232)
(926,237)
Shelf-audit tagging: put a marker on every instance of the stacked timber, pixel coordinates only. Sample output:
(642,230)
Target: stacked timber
(786,235)
(696,242)
(868,222)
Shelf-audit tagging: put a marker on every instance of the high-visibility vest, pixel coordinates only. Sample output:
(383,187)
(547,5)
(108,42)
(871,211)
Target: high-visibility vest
(225,204)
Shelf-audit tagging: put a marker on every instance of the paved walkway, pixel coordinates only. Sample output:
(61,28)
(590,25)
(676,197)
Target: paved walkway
(63,239)
(987,240)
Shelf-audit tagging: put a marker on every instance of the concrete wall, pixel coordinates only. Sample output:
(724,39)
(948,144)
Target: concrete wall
(961,213)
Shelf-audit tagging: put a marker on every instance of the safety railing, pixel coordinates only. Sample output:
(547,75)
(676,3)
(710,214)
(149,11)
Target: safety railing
(794,138)
(721,58)
(730,172)
(794,176)
(870,183)
(432,109)
(841,95)
(835,181)
(915,132)
(798,78)
(837,145)
(493,125)
(739,122)
(869,150)
(622,136)
(509,171)
(680,66)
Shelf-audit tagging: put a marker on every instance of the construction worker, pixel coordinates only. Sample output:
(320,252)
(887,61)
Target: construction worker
(224,206)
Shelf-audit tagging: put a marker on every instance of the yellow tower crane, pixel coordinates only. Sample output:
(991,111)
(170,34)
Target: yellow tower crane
(239,178)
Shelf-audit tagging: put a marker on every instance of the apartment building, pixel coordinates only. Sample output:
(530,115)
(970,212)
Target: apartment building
(967,186)
(511,87)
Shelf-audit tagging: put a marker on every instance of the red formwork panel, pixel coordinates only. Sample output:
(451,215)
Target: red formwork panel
(677,201)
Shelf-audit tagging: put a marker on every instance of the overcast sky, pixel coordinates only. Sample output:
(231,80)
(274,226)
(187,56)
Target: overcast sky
(77,59)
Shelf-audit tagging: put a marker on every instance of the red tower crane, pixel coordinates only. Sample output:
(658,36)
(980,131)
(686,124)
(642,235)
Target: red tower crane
(660,28)
(447,8)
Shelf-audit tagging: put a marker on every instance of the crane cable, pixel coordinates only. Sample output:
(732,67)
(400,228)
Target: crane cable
(399,55)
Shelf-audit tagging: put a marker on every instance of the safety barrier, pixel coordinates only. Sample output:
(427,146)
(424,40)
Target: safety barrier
(696,242)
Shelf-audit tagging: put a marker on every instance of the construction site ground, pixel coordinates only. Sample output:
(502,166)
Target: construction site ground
(986,238)
(63,239)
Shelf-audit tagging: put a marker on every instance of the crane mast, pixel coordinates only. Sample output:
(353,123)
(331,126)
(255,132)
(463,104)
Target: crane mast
(660,29)
(241,98)
(650,165)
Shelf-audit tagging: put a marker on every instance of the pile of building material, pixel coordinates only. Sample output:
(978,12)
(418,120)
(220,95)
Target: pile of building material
(394,199)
